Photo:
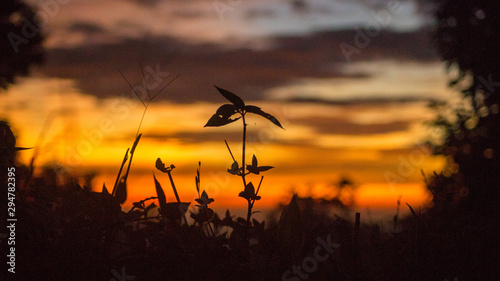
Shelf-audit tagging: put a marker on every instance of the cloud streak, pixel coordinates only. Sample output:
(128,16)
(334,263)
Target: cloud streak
(246,71)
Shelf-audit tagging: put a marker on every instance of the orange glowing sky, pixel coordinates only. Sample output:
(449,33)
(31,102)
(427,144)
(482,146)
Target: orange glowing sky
(362,119)
(306,160)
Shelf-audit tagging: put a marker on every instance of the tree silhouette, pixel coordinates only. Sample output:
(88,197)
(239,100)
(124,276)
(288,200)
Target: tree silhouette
(468,38)
(20,40)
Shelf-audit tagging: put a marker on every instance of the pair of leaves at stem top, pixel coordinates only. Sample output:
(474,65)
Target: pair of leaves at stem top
(204,214)
(161,166)
(249,193)
(223,114)
(204,200)
(254,168)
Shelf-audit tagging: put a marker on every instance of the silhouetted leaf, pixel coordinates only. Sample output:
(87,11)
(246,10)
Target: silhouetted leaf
(121,191)
(105,190)
(12,149)
(249,192)
(237,101)
(203,215)
(228,220)
(290,228)
(255,169)
(197,178)
(265,168)
(125,158)
(151,206)
(139,205)
(161,195)
(411,209)
(161,166)
(252,169)
(174,211)
(135,214)
(258,111)
(136,142)
(241,221)
(234,168)
(217,121)
(204,200)
(226,110)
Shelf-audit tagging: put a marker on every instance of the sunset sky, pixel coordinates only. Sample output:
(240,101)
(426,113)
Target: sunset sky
(359,115)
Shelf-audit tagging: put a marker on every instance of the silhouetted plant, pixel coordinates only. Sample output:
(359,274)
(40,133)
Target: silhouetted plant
(172,211)
(223,116)
(468,39)
(120,187)
(20,40)
(205,214)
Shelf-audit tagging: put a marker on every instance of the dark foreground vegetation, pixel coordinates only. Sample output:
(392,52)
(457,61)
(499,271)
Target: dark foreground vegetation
(66,231)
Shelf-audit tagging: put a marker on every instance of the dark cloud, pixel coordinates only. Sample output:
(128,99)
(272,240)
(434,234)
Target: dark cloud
(146,2)
(405,98)
(206,135)
(87,28)
(336,126)
(244,71)
(320,125)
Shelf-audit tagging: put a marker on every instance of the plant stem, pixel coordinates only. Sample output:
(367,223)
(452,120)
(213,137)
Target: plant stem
(173,187)
(176,195)
(132,151)
(252,202)
(227,145)
(249,212)
(142,118)
(258,188)
(243,172)
(211,230)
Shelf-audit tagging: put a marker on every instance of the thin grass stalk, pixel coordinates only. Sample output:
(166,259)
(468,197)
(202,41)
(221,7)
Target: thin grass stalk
(38,143)
(120,172)
(176,195)
(132,151)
